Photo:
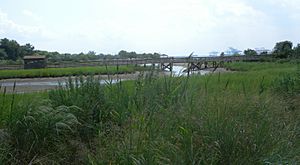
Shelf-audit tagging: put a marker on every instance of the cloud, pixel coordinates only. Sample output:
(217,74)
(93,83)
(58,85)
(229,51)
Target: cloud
(290,4)
(30,14)
(166,26)
(10,27)
(175,27)
(237,9)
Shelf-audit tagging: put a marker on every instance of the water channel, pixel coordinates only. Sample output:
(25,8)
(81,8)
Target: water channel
(40,84)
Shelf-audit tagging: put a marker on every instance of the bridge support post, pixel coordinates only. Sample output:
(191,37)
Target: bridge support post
(195,66)
(214,63)
(221,64)
(205,64)
(168,66)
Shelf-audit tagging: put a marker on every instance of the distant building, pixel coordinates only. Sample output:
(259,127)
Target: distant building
(163,56)
(214,54)
(232,51)
(35,62)
(262,50)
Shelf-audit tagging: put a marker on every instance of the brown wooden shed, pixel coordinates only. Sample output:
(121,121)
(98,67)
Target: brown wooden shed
(35,62)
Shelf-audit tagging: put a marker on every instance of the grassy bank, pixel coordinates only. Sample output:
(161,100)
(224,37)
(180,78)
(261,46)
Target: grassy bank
(58,72)
(249,117)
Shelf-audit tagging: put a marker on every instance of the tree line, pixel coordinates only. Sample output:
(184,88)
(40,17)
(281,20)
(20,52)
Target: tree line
(282,49)
(12,50)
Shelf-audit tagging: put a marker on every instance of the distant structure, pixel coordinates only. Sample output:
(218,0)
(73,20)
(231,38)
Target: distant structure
(262,50)
(232,51)
(213,54)
(163,56)
(35,62)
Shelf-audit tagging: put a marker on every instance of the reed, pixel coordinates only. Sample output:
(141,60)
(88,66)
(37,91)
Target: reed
(58,72)
(234,118)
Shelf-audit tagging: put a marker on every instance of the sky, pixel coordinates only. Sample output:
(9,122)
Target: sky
(173,27)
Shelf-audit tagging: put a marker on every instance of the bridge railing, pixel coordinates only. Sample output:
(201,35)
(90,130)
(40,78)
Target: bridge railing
(104,62)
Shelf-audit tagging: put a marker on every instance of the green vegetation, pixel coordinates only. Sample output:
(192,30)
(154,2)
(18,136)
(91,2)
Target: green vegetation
(283,49)
(11,51)
(263,67)
(57,72)
(250,52)
(246,117)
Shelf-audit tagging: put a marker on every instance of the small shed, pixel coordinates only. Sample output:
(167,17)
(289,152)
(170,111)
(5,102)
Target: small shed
(35,62)
(163,56)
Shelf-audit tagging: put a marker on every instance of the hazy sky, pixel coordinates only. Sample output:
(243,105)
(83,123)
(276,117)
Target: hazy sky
(174,27)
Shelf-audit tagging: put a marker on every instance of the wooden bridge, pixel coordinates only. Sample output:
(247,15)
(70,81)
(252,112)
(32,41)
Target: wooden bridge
(193,63)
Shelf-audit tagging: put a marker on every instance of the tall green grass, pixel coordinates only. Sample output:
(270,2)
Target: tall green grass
(235,118)
(262,66)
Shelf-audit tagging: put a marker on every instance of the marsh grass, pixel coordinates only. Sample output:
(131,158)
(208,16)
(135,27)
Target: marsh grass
(31,131)
(58,72)
(236,118)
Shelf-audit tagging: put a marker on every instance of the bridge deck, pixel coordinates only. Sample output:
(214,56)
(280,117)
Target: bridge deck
(169,60)
(179,60)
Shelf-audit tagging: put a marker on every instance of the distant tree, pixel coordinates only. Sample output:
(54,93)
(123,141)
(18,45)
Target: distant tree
(283,49)
(26,49)
(91,53)
(155,55)
(296,51)
(264,53)
(132,55)
(81,54)
(125,54)
(250,52)
(11,47)
(122,54)
(3,54)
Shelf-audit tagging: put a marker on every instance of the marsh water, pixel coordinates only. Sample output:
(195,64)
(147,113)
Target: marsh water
(41,84)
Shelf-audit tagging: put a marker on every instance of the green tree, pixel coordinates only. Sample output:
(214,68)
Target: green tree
(122,54)
(91,53)
(3,54)
(264,53)
(296,51)
(27,49)
(11,47)
(132,55)
(156,55)
(283,49)
(250,52)
(125,54)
